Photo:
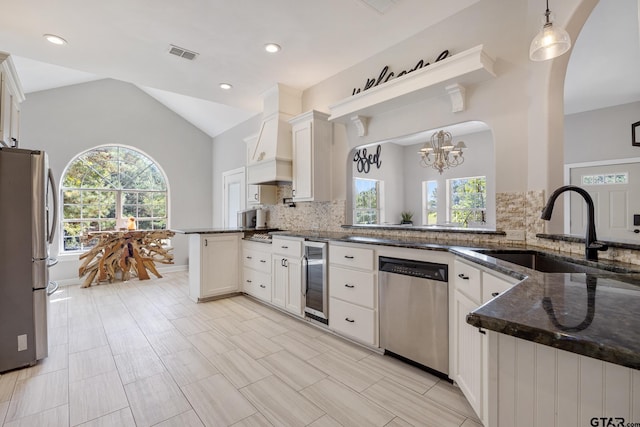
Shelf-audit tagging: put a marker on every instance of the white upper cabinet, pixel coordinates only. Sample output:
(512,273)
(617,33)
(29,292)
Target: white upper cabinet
(258,194)
(11,96)
(312,141)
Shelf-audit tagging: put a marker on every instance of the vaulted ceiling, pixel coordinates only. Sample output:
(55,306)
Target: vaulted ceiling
(130,40)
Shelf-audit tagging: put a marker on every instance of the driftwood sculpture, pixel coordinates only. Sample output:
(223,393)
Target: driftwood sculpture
(124,252)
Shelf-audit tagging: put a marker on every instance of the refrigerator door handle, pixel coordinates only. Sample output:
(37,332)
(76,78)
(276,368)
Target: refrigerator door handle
(54,194)
(52,288)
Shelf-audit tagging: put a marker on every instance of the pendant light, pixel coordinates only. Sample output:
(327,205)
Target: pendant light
(550,42)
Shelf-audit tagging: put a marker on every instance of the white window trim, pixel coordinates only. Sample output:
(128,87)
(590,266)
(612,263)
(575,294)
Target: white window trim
(60,228)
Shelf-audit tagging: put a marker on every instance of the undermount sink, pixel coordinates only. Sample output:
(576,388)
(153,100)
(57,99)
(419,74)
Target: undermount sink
(548,263)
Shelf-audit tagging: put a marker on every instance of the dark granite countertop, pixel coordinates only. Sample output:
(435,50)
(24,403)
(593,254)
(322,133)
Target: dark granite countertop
(622,244)
(593,314)
(424,228)
(205,230)
(210,230)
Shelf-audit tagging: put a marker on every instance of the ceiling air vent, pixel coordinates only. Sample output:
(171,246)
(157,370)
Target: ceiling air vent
(182,52)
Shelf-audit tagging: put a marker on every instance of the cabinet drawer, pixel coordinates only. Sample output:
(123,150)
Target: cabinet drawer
(352,286)
(257,284)
(351,257)
(467,279)
(353,321)
(493,286)
(287,247)
(257,260)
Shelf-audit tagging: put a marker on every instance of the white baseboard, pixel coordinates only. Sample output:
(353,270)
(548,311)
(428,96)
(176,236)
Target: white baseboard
(161,270)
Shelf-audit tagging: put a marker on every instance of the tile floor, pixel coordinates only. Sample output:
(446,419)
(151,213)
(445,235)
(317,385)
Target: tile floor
(143,354)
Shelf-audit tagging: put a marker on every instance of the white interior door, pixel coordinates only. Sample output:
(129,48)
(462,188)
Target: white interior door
(233,196)
(615,189)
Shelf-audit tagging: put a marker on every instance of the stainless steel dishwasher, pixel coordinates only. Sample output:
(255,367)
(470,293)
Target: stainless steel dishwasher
(414,311)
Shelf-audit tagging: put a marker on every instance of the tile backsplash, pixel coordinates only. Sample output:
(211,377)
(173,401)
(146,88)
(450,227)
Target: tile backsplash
(515,211)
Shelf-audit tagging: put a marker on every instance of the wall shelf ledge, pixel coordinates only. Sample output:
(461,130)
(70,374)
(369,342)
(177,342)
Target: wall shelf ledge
(450,76)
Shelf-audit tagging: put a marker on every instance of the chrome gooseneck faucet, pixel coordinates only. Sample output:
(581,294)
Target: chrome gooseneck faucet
(591,244)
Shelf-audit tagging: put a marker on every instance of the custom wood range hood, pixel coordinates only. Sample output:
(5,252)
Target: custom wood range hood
(269,158)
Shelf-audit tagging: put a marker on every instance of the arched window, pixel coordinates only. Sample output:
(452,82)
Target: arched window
(103,187)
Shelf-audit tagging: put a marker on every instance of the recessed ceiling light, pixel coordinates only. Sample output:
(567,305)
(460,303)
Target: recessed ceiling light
(52,38)
(225,86)
(272,47)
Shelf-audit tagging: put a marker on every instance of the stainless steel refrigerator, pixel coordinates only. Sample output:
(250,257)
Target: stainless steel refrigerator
(27,226)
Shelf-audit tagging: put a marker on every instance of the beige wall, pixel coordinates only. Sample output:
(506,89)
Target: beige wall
(523,105)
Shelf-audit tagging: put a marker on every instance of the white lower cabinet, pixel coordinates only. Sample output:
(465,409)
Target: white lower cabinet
(469,353)
(256,272)
(353,321)
(286,266)
(214,267)
(353,302)
(474,350)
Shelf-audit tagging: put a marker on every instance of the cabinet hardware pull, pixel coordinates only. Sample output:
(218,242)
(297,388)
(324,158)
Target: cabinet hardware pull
(249,257)
(262,286)
(263,260)
(284,247)
(346,285)
(286,263)
(349,256)
(482,332)
(293,193)
(463,277)
(206,243)
(495,294)
(248,281)
(255,196)
(349,320)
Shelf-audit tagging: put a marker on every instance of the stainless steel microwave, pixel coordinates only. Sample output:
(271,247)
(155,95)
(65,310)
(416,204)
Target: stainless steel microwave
(247,218)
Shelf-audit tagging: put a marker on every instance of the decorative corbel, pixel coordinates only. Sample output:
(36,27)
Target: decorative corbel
(361,123)
(457,94)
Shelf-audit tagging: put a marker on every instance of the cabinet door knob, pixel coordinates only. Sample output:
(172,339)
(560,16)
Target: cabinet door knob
(495,294)
(349,320)
(263,260)
(284,247)
(249,257)
(463,277)
(346,285)
(262,286)
(349,256)
(248,281)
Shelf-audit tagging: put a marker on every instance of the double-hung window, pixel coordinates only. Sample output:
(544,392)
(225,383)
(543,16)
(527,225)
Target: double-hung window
(103,187)
(367,196)
(467,200)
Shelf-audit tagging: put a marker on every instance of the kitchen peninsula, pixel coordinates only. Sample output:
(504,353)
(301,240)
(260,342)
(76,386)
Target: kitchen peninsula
(498,311)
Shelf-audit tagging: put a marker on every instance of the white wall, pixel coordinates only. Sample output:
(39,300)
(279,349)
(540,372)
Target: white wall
(603,134)
(68,120)
(479,161)
(229,152)
(502,102)
(523,105)
(391,172)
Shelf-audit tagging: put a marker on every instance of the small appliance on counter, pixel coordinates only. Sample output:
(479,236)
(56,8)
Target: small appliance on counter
(247,218)
(261,219)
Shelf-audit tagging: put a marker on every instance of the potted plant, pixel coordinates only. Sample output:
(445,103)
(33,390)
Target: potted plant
(406,217)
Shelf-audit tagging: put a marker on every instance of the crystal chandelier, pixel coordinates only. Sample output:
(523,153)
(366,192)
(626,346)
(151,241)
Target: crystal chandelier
(440,153)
